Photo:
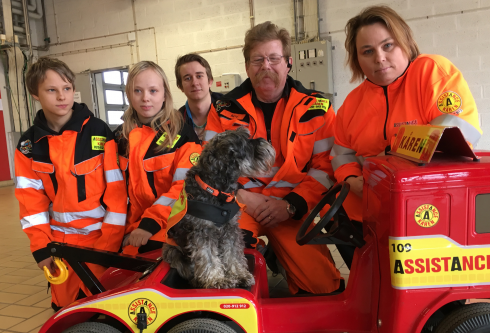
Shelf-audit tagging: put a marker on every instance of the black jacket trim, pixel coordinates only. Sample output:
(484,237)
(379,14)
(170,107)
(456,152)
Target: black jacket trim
(149,225)
(299,203)
(41,254)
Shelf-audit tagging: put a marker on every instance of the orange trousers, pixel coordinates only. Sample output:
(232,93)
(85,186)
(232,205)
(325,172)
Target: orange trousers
(67,292)
(308,267)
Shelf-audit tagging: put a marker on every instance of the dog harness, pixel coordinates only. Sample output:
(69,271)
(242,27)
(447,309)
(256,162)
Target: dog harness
(219,215)
(227,196)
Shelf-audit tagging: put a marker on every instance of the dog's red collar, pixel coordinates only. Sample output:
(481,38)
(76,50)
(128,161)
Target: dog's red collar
(229,197)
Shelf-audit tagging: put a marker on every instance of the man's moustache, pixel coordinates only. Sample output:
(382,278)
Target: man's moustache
(273,76)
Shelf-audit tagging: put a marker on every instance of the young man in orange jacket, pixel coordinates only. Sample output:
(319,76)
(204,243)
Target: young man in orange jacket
(299,124)
(69,186)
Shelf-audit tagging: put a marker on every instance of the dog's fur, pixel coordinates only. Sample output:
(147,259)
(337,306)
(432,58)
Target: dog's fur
(209,256)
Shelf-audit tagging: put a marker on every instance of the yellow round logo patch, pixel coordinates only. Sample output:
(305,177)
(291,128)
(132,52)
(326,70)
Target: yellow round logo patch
(194,158)
(142,305)
(426,215)
(449,102)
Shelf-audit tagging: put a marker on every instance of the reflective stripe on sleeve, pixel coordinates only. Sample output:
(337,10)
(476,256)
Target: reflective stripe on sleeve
(321,177)
(252,184)
(35,219)
(281,183)
(180,174)
(68,217)
(339,150)
(115,218)
(75,231)
(323,145)
(470,133)
(209,135)
(340,160)
(277,198)
(23,182)
(165,201)
(113,175)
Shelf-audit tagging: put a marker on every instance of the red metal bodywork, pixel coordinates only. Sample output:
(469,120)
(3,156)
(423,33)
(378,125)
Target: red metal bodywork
(393,188)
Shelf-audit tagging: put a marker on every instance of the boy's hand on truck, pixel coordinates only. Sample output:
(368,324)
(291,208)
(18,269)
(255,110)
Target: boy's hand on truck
(49,263)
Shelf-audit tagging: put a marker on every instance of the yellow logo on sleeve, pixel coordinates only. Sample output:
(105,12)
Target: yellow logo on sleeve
(98,142)
(449,102)
(194,158)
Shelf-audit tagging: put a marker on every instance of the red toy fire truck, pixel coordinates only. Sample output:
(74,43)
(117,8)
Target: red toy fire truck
(424,252)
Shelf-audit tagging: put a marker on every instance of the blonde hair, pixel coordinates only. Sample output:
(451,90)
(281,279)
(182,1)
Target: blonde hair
(398,28)
(167,119)
(266,32)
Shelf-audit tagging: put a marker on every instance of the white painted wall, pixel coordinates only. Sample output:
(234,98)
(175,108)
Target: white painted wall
(457,29)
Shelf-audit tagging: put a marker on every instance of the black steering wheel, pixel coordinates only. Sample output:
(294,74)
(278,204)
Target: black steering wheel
(335,207)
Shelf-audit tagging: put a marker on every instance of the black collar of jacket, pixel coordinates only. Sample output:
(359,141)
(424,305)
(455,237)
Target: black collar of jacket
(80,114)
(219,215)
(214,97)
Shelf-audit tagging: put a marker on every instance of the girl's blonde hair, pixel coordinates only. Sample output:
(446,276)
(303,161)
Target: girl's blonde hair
(167,120)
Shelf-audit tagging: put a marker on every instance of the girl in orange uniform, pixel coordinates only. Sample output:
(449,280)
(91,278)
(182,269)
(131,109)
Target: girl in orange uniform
(156,149)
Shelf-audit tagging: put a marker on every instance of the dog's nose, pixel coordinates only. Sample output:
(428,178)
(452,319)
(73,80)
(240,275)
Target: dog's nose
(224,213)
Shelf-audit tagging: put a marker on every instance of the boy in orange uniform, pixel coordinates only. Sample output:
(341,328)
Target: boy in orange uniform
(69,186)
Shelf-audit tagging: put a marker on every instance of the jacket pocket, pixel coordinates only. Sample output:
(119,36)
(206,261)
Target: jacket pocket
(90,178)
(42,167)
(159,162)
(158,170)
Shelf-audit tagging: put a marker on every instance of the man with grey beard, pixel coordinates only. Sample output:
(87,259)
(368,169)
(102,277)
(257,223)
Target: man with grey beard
(299,124)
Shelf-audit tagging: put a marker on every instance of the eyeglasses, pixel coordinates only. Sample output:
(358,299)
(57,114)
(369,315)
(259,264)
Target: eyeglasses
(273,60)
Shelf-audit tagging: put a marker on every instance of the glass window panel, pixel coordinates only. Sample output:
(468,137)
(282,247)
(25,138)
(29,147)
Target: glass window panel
(112,77)
(114,97)
(125,77)
(482,213)
(114,117)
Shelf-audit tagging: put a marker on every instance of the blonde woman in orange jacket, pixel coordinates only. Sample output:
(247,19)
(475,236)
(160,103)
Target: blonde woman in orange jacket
(156,149)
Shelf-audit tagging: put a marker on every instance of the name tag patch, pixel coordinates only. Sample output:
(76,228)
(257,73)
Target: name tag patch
(98,142)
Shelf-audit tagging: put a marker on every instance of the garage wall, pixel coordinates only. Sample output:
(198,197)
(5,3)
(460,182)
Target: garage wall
(457,29)
(172,28)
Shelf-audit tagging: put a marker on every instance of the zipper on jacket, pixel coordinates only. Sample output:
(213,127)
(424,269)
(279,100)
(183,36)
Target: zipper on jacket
(385,90)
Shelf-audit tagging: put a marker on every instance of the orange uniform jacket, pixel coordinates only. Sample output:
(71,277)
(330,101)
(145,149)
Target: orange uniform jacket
(302,135)
(154,179)
(431,91)
(69,187)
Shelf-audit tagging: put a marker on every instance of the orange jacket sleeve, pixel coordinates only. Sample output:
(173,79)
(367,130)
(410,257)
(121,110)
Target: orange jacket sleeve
(34,206)
(449,101)
(343,157)
(116,199)
(155,217)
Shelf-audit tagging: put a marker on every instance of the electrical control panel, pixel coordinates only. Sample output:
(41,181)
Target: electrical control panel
(312,66)
(226,83)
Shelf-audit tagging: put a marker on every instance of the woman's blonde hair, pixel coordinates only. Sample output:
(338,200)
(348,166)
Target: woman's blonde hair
(166,120)
(398,28)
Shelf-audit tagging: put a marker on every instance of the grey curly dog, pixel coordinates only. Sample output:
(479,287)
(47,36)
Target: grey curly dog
(210,251)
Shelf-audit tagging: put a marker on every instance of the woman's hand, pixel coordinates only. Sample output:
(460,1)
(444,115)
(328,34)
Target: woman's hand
(271,213)
(49,263)
(137,237)
(251,200)
(356,184)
